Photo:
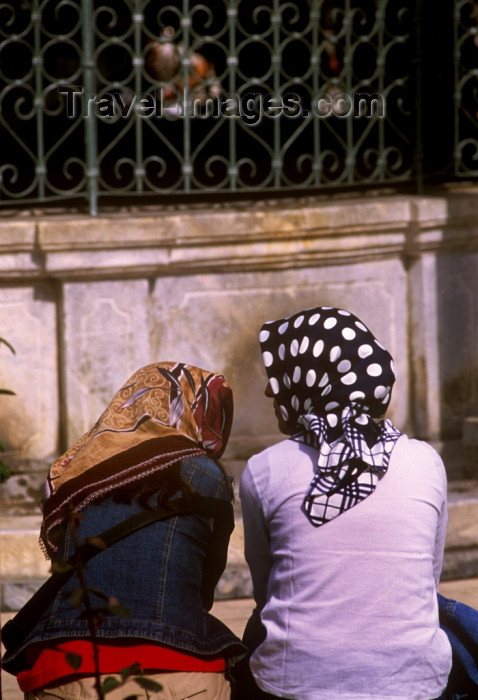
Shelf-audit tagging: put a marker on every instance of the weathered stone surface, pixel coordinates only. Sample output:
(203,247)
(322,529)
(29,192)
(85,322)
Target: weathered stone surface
(29,420)
(462,529)
(460,564)
(461,556)
(106,338)
(100,296)
(457,313)
(22,492)
(234,583)
(15,595)
(255,237)
(22,557)
(214,322)
(470,447)
(17,236)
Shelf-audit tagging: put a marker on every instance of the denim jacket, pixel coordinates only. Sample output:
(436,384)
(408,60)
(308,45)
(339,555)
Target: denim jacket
(164,574)
(460,622)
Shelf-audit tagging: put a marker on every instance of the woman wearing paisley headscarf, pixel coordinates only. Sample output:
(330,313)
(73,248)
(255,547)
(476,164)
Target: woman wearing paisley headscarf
(157,442)
(344,525)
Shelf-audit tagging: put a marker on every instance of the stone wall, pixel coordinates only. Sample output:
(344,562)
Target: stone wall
(86,301)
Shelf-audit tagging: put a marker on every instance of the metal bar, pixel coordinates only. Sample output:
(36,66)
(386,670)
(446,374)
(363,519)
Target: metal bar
(232,62)
(252,46)
(456,88)
(380,19)
(138,64)
(276,60)
(315,65)
(39,101)
(90,133)
(348,63)
(187,112)
(418,99)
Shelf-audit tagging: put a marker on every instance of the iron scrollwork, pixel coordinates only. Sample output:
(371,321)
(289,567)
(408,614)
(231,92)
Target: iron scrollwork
(138,97)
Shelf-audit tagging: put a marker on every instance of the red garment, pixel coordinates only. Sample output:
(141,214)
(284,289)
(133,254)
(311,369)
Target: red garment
(50,665)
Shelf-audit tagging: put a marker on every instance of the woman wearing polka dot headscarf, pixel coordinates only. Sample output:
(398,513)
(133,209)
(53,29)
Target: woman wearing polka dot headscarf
(344,525)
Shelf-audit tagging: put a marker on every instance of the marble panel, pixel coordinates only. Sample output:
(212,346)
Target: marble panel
(29,420)
(106,338)
(213,321)
(425,403)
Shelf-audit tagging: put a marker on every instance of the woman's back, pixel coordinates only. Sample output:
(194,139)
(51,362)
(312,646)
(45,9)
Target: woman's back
(162,574)
(350,608)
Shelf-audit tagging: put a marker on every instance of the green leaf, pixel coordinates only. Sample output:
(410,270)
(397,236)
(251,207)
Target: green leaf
(148,684)
(60,566)
(76,597)
(73,660)
(7,391)
(99,593)
(97,542)
(120,610)
(4,472)
(130,670)
(110,684)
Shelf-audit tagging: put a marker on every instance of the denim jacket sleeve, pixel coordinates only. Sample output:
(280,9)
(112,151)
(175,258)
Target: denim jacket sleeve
(460,622)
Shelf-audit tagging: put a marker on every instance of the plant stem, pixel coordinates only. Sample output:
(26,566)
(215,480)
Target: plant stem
(91,616)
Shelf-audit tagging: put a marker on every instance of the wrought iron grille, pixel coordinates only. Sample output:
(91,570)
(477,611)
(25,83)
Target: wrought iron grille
(141,97)
(465,157)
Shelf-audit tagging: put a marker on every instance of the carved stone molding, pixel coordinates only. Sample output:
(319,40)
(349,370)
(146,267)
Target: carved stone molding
(243,238)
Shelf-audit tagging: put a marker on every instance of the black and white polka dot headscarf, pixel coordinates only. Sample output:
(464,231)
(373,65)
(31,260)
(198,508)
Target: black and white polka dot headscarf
(331,378)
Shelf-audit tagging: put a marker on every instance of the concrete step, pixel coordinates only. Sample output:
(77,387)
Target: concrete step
(23,566)
(461,553)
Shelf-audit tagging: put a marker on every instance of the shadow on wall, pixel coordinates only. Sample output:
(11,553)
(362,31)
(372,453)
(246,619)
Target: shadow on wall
(456,292)
(457,313)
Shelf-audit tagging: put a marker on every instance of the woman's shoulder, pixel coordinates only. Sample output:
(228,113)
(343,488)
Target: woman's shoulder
(419,457)
(283,454)
(407,446)
(283,446)
(205,464)
(207,476)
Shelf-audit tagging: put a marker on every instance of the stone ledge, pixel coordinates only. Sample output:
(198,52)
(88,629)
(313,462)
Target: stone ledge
(259,237)
(22,557)
(460,564)
(462,530)
(461,554)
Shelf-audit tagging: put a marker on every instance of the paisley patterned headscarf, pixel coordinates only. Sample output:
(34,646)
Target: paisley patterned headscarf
(332,380)
(164,413)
